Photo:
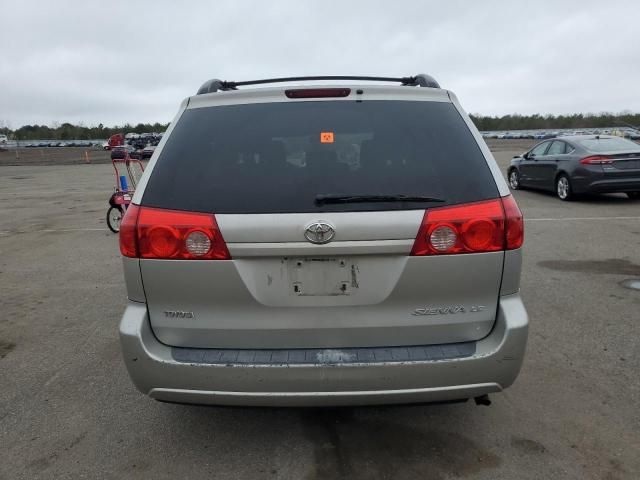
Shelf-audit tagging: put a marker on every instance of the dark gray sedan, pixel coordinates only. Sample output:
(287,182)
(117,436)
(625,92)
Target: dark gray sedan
(579,164)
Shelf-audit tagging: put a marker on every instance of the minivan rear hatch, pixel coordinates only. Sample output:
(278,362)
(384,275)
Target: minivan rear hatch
(319,203)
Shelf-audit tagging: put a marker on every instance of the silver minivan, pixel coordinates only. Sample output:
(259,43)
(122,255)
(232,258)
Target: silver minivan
(314,243)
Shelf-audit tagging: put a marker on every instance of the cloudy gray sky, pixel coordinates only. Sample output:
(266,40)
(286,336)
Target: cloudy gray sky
(116,62)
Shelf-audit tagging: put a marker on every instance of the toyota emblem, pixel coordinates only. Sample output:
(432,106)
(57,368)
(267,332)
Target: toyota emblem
(319,232)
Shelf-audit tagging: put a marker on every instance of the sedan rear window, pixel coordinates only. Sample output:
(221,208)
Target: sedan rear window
(282,157)
(608,145)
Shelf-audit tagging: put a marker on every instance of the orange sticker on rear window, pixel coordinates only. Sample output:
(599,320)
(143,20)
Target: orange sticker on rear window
(326,137)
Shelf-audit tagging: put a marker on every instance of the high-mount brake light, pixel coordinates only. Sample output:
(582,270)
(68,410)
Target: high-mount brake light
(486,226)
(171,235)
(317,92)
(596,160)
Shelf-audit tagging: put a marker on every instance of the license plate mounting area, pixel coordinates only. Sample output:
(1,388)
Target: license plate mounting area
(322,276)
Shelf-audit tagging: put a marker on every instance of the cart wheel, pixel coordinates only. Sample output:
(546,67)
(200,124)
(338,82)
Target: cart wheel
(114,216)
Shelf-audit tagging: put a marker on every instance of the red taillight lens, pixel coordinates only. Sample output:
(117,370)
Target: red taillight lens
(514,222)
(128,241)
(171,234)
(486,226)
(478,234)
(596,160)
(317,92)
(160,241)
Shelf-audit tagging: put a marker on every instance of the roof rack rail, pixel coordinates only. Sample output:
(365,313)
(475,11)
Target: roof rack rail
(420,80)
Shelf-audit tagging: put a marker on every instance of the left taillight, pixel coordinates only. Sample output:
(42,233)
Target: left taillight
(486,226)
(171,235)
(128,241)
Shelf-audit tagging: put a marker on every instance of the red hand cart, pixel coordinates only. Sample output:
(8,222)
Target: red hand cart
(128,172)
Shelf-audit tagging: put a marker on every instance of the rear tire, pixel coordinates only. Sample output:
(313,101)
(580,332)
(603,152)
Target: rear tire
(563,188)
(633,195)
(514,179)
(114,217)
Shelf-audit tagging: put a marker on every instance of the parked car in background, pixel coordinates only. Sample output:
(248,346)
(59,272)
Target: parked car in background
(543,135)
(147,152)
(136,153)
(138,144)
(3,139)
(573,165)
(120,151)
(634,135)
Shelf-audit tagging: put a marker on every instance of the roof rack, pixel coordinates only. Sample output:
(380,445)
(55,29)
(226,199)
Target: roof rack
(420,80)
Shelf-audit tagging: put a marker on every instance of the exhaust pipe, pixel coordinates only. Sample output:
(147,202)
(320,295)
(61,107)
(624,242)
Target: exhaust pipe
(483,400)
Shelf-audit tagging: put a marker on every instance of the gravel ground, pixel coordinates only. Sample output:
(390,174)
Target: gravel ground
(68,409)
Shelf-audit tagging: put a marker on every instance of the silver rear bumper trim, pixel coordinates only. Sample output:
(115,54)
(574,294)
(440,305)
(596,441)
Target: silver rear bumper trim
(301,399)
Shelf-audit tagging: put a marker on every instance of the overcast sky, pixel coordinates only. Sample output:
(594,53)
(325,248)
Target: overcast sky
(135,61)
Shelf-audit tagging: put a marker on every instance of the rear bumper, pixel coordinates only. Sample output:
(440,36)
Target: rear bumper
(493,367)
(608,185)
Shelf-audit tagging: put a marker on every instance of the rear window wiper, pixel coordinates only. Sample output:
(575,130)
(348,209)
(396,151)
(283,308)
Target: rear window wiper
(324,199)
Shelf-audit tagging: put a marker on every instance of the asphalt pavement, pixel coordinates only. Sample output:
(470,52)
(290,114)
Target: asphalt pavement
(69,410)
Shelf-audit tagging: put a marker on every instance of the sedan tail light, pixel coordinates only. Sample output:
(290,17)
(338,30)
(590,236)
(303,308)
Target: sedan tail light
(597,160)
(487,226)
(171,235)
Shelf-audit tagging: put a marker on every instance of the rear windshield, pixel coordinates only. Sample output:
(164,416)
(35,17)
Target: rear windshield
(609,145)
(279,157)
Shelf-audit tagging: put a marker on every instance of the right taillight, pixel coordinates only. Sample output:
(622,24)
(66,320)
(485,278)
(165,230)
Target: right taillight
(514,223)
(596,160)
(477,227)
(171,235)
